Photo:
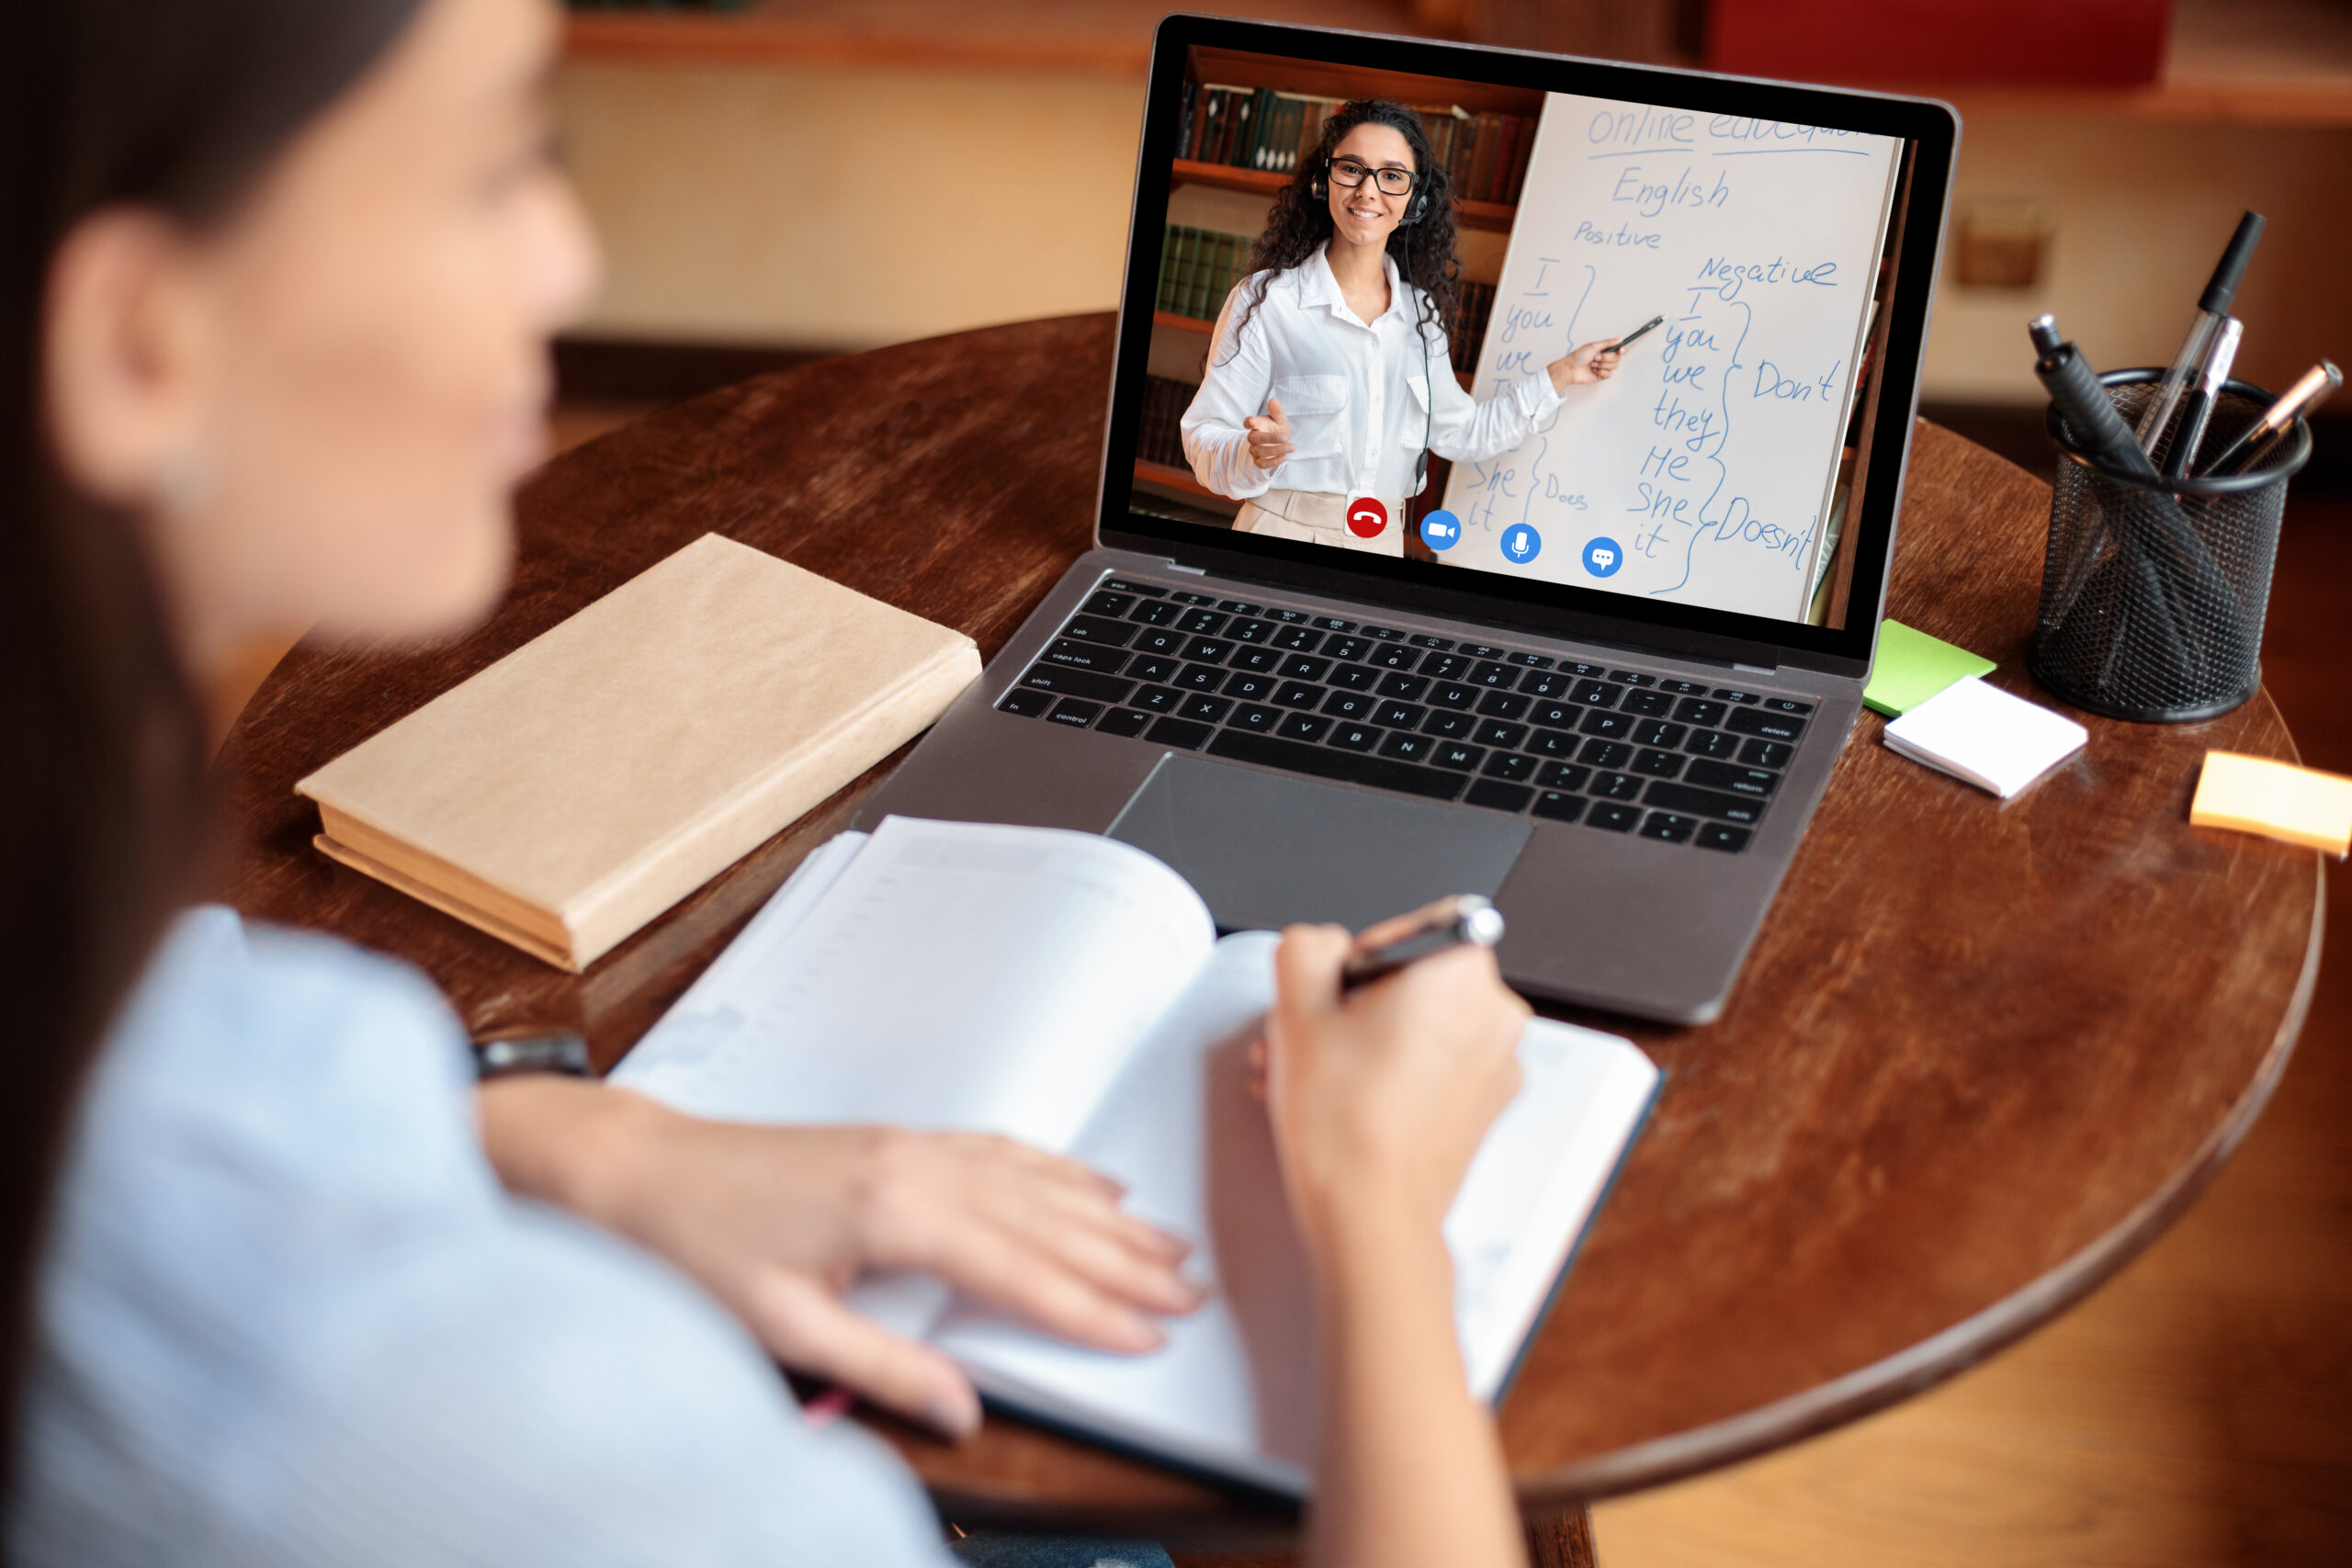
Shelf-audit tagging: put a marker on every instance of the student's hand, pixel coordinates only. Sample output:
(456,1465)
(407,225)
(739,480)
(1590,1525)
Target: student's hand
(1378,1099)
(1269,435)
(1586,363)
(777,1222)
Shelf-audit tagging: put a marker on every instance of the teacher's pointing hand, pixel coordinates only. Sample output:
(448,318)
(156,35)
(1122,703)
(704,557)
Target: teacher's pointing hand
(1269,435)
(1595,361)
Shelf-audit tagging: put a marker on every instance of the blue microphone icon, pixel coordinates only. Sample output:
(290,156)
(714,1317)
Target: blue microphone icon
(1522,544)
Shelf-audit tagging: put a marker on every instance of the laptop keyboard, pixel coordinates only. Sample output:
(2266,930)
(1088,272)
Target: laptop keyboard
(1622,750)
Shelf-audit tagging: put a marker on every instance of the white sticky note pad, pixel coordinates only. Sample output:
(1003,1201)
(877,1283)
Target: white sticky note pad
(1983,735)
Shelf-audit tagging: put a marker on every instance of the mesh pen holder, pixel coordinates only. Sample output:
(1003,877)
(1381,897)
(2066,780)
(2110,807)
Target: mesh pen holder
(2152,594)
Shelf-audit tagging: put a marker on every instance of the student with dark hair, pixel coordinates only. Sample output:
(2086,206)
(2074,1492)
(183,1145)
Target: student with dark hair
(1330,377)
(284,1284)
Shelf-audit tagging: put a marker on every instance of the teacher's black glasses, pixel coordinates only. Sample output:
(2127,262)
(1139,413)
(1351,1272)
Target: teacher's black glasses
(1349,172)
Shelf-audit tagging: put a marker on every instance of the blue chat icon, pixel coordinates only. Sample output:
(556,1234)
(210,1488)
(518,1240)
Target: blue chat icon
(1603,557)
(1440,531)
(1522,544)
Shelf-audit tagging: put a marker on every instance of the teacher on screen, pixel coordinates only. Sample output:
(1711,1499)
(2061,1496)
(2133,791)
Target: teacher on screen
(1329,379)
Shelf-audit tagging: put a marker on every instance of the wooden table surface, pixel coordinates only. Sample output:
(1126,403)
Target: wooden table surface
(1982,1054)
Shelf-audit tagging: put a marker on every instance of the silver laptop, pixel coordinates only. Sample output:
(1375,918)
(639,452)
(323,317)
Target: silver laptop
(1395,594)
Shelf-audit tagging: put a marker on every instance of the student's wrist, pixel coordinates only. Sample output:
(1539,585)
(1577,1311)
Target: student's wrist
(575,1145)
(1372,1239)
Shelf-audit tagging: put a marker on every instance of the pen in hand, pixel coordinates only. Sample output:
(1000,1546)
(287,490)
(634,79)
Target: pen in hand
(1465,919)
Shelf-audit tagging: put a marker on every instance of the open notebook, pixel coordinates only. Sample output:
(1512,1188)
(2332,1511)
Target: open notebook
(1071,991)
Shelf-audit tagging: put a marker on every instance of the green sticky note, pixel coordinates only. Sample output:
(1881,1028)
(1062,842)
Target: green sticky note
(1913,667)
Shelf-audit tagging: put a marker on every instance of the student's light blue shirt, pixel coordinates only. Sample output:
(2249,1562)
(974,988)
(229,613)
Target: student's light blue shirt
(290,1317)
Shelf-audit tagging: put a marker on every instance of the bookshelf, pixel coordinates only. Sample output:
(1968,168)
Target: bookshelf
(1175,479)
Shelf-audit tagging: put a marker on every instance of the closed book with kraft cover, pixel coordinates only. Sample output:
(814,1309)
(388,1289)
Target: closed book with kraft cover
(577,788)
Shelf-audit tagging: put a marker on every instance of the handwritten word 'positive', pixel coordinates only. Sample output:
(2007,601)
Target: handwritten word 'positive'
(1625,237)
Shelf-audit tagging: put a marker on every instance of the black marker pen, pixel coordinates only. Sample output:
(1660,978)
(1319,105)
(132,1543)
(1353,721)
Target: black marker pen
(1466,920)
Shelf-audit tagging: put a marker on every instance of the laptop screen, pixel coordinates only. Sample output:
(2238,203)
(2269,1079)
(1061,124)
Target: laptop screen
(1556,335)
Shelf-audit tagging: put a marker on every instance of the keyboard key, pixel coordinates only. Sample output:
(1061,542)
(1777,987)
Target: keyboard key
(1261,661)
(1155,612)
(1657,732)
(1302,726)
(1347,648)
(1251,631)
(1684,688)
(1455,754)
(1558,806)
(1398,685)
(1354,737)
(1669,828)
(1452,694)
(1238,606)
(1753,782)
(1784,705)
(1076,683)
(1616,786)
(1298,640)
(1122,585)
(1129,722)
(1608,725)
(1496,732)
(1494,677)
(1189,598)
(1326,761)
(1632,678)
(1770,726)
(1028,704)
(1656,764)
(1733,695)
(1553,714)
(1160,639)
(1531,661)
(1502,704)
(1202,623)
(1562,775)
(1596,694)
(1199,677)
(1181,733)
(1546,683)
(1480,650)
(1589,671)
(1706,803)
(1156,669)
(1291,617)
(1253,716)
(1610,815)
(1298,666)
(1712,743)
(1355,677)
(1410,747)
(1382,634)
(1647,704)
(1767,754)
(1391,715)
(1451,724)
(1443,666)
(1333,623)
(1552,743)
(1511,765)
(1350,705)
(1160,699)
(1106,602)
(1210,650)
(1499,795)
(1695,710)
(1605,753)
(1395,658)
(1208,710)
(1085,655)
(1095,628)
(1423,640)
(1297,694)
(1722,836)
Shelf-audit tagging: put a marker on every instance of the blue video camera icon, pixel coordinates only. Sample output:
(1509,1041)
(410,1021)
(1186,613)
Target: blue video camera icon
(1440,531)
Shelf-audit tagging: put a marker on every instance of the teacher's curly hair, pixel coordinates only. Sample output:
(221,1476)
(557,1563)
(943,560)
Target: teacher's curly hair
(1300,220)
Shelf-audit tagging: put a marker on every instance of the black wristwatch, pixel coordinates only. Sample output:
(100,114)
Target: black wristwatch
(505,1057)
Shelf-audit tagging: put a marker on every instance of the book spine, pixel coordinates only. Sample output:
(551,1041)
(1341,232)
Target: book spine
(1520,157)
(1167,267)
(1184,121)
(1188,269)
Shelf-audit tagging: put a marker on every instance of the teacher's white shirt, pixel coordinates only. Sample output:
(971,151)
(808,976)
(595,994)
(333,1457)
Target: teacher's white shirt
(1356,393)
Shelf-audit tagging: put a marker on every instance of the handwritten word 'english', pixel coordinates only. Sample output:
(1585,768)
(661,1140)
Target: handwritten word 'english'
(1651,198)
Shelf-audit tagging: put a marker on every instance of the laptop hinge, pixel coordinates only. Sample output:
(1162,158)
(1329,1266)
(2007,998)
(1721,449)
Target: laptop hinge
(1191,571)
(1757,669)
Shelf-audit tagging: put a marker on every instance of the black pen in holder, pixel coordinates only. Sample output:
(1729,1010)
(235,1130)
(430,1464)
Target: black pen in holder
(2153,591)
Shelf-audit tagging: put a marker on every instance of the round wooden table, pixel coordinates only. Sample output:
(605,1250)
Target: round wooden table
(1982,1054)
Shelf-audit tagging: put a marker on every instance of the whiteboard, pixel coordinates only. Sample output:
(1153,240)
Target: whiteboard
(1702,472)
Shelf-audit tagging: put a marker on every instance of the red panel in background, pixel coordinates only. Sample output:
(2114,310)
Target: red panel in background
(2108,43)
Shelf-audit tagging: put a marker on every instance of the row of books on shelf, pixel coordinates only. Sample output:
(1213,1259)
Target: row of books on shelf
(1258,127)
(1198,267)
(1160,438)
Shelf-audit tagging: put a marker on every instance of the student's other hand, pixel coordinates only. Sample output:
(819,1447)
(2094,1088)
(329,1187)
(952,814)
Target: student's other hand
(1380,1097)
(1586,363)
(777,1222)
(1269,435)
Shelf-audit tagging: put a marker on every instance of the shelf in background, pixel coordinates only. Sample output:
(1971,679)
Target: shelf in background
(1167,477)
(1491,215)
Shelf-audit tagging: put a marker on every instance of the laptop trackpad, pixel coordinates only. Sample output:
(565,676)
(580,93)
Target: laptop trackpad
(1263,850)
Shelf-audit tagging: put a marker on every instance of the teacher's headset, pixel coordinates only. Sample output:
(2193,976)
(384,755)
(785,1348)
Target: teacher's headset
(1320,190)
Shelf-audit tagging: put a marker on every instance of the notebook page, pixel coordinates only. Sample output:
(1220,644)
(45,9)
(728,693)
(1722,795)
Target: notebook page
(1232,1391)
(951,975)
